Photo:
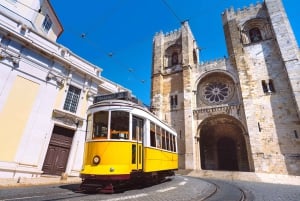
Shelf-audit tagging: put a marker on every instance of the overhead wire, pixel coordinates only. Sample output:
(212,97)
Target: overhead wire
(172,11)
(85,37)
(206,10)
(113,57)
(128,68)
(108,14)
(111,54)
(202,12)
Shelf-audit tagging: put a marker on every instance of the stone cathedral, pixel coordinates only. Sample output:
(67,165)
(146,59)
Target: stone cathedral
(240,113)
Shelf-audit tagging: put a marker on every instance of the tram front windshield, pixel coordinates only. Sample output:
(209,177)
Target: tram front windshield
(100,126)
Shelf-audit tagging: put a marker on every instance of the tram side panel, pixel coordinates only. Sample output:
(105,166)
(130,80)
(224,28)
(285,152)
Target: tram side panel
(159,148)
(159,160)
(115,158)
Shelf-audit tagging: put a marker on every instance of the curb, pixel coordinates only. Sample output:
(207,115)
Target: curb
(43,180)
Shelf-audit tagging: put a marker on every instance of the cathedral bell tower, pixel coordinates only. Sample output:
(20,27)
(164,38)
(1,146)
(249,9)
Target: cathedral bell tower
(174,56)
(263,50)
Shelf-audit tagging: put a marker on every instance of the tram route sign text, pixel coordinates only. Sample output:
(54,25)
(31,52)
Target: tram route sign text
(124,95)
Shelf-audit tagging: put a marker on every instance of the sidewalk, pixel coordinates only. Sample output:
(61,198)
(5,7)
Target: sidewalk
(43,180)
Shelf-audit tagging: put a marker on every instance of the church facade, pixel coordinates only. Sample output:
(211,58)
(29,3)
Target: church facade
(239,113)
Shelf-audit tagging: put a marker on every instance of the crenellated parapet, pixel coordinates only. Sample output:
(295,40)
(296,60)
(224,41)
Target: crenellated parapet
(169,36)
(213,62)
(217,64)
(253,10)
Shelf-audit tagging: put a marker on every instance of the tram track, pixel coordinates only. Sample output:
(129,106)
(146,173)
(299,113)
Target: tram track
(174,188)
(220,191)
(225,191)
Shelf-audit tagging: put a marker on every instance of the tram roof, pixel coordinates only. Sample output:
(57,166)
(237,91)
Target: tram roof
(124,95)
(123,99)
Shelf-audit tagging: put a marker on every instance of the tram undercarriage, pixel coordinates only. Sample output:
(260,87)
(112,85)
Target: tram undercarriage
(120,183)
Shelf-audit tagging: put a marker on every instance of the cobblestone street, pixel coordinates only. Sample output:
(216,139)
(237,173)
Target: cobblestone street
(178,188)
(269,192)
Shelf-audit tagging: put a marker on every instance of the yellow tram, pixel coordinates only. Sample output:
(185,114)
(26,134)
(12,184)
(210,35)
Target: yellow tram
(125,143)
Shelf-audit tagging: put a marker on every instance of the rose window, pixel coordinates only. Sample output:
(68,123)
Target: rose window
(216,92)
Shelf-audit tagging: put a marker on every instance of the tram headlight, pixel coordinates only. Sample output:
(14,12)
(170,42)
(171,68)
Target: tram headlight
(96,160)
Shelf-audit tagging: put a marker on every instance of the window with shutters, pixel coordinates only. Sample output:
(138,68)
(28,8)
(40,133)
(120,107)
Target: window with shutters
(72,99)
(47,23)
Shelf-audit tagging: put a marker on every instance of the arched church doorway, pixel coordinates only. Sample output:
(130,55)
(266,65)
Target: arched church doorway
(223,144)
(227,158)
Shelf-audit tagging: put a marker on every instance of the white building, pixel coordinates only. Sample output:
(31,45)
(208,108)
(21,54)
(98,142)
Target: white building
(45,90)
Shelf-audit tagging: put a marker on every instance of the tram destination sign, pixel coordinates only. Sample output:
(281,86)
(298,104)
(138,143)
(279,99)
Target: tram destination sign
(124,95)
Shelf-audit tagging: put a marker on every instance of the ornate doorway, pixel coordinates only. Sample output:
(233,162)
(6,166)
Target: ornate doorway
(58,151)
(223,144)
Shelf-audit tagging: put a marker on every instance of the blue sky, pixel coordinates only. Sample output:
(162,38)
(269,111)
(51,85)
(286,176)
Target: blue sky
(117,35)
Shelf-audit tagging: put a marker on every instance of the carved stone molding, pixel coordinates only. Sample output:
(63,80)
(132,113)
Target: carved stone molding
(67,118)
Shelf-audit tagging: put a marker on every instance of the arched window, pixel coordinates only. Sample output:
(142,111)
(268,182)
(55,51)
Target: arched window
(174,58)
(255,35)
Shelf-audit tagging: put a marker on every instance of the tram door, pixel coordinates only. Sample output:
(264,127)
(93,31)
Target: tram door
(137,147)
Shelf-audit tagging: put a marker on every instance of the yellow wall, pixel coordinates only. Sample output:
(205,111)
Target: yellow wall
(83,108)
(14,116)
(59,97)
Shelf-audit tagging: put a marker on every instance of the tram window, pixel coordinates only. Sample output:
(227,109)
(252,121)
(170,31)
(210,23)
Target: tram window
(137,128)
(174,143)
(171,142)
(158,137)
(163,139)
(167,141)
(152,135)
(140,134)
(119,125)
(100,124)
(89,127)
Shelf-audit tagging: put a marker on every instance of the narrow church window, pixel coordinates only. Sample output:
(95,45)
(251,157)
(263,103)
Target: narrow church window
(296,134)
(271,86)
(195,57)
(264,86)
(174,58)
(173,101)
(255,35)
(258,125)
(268,87)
